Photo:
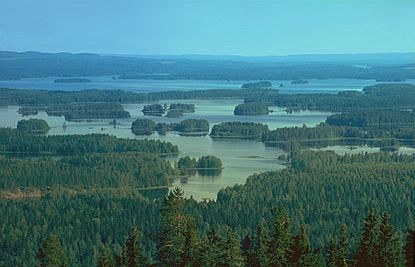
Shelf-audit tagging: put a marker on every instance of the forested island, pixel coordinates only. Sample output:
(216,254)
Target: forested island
(205,165)
(239,130)
(84,111)
(72,80)
(185,108)
(254,108)
(33,126)
(189,127)
(153,110)
(257,85)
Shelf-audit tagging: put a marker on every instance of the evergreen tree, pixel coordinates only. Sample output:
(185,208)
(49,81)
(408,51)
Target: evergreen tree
(301,246)
(410,249)
(210,250)
(174,235)
(389,248)
(132,250)
(279,245)
(331,253)
(343,248)
(248,253)
(260,249)
(230,251)
(366,252)
(51,254)
(105,258)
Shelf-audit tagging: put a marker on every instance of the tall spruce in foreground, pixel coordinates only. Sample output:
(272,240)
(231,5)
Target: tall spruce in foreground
(279,245)
(105,258)
(51,254)
(132,254)
(176,233)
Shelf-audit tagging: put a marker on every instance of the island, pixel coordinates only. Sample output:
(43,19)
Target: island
(154,110)
(299,81)
(192,127)
(239,130)
(143,127)
(72,80)
(33,126)
(257,85)
(185,108)
(254,108)
(87,111)
(205,165)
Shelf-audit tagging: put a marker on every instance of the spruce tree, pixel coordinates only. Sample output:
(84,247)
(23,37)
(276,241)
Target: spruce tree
(230,251)
(389,248)
(366,255)
(300,247)
(410,249)
(132,250)
(279,245)
(105,258)
(51,254)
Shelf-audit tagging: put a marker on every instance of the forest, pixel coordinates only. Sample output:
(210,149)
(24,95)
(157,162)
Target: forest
(184,127)
(320,194)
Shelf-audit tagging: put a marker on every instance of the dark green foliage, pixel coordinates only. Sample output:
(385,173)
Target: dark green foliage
(176,233)
(105,258)
(192,126)
(85,111)
(93,170)
(143,127)
(209,162)
(373,119)
(33,126)
(51,253)
(239,130)
(251,109)
(15,141)
(257,85)
(381,96)
(154,110)
(185,108)
(410,249)
(132,254)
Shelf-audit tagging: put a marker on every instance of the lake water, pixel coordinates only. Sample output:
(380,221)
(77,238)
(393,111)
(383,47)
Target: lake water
(240,158)
(106,83)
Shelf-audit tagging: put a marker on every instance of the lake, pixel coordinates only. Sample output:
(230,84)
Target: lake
(107,83)
(240,158)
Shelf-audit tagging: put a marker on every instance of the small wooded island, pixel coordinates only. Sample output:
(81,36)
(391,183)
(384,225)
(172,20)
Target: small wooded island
(153,110)
(205,165)
(33,126)
(87,111)
(189,127)
(254,108)
(299,81)
(72,80)
(239,130)
(257,85)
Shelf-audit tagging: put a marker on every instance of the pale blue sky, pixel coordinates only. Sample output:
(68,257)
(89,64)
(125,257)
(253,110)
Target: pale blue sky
(237,27)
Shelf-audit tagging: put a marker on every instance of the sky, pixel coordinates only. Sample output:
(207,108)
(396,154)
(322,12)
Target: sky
(214,27)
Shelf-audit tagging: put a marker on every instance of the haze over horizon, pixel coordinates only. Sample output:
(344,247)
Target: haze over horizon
(183,27)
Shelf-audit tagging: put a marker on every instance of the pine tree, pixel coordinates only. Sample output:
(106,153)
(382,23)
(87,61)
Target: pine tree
(260,247)
(132,250)
(191,243)
(210,250)
(51,254)
(279,245)
(105,258)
